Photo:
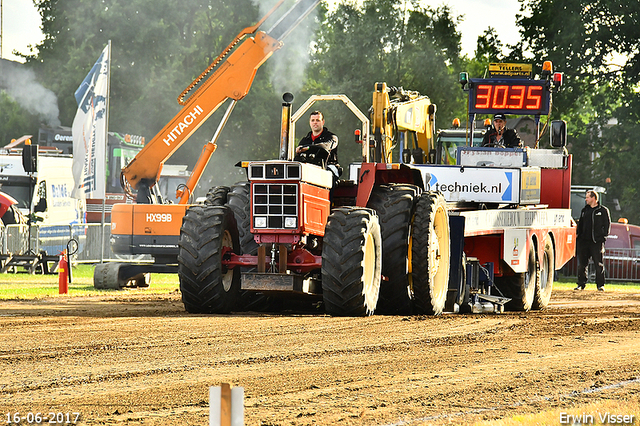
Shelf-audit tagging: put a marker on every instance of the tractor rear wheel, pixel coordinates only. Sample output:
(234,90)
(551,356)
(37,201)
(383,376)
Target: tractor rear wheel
(394,204)
(217,196)
(544,283)
(207,286)
(351,262)
(430,254)
(238,200)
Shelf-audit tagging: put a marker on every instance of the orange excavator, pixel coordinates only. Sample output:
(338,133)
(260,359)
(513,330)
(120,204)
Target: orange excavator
(149,226)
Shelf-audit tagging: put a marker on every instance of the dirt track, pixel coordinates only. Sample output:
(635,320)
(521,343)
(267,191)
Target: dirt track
(143,360)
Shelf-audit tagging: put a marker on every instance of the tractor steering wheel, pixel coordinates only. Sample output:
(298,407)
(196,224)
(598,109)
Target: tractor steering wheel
(313,154)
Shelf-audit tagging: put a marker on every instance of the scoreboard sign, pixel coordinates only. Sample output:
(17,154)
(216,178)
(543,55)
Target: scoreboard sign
(509,96)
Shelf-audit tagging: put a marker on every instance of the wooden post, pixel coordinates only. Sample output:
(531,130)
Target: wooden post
(226,405)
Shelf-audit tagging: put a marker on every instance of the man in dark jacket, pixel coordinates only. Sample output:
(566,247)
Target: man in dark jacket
(319,137)
(593,227)
(500,136)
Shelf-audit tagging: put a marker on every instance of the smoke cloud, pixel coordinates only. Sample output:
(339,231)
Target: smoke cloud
(20,83)
(289,63)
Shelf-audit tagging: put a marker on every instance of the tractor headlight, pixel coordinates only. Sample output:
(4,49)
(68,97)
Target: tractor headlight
(260,222)
(291,222)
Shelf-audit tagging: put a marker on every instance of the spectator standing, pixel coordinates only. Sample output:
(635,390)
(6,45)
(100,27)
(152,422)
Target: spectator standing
(594,225)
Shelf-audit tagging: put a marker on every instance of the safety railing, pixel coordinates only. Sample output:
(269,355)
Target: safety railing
(619,265)
(92,244)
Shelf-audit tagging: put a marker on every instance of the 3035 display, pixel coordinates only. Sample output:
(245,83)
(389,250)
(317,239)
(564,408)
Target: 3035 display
(511,96)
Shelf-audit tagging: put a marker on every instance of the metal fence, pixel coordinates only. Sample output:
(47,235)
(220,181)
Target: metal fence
(52,240)
(619,265)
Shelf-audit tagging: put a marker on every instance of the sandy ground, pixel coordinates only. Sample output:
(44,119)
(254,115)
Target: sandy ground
(132,359)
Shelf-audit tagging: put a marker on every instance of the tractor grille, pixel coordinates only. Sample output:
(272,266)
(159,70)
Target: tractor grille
(275,206)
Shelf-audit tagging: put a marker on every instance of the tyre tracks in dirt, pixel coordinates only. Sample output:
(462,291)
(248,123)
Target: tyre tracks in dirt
(143,360)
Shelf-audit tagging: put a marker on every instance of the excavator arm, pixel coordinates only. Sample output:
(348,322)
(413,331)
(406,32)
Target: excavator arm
(229,77)
(396,112)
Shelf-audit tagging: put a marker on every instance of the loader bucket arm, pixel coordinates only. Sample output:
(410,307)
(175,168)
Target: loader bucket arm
(228,77)
(394,111)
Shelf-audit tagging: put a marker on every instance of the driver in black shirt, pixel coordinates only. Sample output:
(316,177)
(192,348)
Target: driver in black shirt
(500,136)
(319,137)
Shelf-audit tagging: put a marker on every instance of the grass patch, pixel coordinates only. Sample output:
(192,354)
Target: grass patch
(569,283)
(553,417)
(26,286)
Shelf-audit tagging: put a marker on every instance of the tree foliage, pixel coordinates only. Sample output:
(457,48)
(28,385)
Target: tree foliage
(392,41)
(597,44)
(12,117)
(159,46)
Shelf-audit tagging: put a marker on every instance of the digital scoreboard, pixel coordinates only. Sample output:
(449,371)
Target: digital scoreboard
(509,96)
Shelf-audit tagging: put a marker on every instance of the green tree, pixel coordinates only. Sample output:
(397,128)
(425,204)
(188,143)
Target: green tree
(158,48)
(596,45)
(395,41)
(15,121)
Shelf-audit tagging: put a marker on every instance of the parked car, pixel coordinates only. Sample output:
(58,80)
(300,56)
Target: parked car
(622,252)
(621,256)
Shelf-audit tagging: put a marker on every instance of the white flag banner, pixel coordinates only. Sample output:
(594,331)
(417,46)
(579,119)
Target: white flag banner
(89,132)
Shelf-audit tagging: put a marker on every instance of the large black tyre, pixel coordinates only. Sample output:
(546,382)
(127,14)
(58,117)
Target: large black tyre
(351,262)
(544,284)
(238,199)
(394,204)
(106,276)
(521,287)
(207,286)
(217,196)
(430,254)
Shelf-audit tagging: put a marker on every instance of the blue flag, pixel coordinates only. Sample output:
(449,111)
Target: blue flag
(90,131)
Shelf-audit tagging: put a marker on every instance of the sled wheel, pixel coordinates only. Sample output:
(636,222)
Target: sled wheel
(544,283)
(521,287)
(460,295)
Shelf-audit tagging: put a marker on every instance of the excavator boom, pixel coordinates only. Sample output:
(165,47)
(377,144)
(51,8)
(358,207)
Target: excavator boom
(231,76)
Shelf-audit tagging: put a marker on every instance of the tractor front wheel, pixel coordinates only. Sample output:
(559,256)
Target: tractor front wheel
(351,262)
(207,286)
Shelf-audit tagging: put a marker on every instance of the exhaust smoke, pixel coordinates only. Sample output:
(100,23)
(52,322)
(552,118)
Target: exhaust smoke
(21,84)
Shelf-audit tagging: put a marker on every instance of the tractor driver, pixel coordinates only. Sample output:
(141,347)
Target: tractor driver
(321,137)
(500,136)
